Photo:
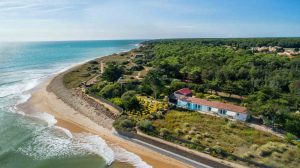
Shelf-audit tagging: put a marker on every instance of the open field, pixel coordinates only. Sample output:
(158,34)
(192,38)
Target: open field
(224,138)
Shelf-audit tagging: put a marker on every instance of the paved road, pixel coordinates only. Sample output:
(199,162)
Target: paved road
(167,153)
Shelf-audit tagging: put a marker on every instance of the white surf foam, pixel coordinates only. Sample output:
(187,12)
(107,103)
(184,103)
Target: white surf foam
(65,131)
(123,155)
(18,88)
(47,145)
(50,119)
(23,98)
(96,145)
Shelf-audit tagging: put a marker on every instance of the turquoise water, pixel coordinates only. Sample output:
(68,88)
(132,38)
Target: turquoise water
(33,141)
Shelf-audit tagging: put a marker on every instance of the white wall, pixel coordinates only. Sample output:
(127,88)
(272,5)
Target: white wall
(241,116)
(231,113)
(214,110)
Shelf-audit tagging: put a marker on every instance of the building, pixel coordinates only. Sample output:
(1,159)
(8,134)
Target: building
(184,92)
(214,107)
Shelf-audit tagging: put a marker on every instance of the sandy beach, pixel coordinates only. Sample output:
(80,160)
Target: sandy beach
(82,118)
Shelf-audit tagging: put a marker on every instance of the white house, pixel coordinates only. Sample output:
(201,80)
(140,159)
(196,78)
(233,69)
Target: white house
(223,109)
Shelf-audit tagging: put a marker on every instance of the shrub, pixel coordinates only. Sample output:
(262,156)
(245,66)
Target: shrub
(130,101)
(145,125)
(164,132)
(198,136)
(137,68)
(124,124)
(270,147)
(218,150)
(254,147)
(231,124)
(188,137)
(289,138)
(93,62)
(187,125)
(178,131)
(125,62)
(112,72)
(200,95)
(111,91)
(117,101)
(191,132)
(195,140)
(213,97)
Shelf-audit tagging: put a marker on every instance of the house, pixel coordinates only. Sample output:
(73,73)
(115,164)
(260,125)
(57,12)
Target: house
(214,107)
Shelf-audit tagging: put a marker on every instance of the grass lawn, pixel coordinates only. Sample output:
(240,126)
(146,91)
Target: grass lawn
(81,74)
(232,137)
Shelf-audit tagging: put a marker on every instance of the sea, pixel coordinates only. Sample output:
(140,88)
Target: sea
(34,141)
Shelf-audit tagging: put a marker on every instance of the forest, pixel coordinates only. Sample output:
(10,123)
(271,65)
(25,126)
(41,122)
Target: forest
(269,83)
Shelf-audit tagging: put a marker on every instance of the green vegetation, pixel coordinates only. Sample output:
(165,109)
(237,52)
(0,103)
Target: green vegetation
(112,72)
(124,124)
(226,70)
(270,83)
(223,138)
(81,74)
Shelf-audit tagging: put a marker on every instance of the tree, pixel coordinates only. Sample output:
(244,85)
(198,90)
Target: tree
(145,125)
(111,91)
(153,80)
(112,72)
(130,102)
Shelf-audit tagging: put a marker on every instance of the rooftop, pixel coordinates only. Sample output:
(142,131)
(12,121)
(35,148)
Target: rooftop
(184,91)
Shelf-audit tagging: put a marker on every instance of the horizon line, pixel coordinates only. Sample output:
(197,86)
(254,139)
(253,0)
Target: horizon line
(146,39)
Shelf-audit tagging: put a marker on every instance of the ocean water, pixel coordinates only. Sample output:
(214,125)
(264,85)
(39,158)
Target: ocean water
(33,141)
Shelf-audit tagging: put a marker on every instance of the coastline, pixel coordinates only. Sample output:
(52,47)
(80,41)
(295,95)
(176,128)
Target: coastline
(45,99)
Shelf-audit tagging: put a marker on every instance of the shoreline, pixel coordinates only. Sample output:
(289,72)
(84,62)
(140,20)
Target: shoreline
(44,99)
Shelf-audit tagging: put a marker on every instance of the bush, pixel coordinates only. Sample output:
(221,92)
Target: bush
(111,91)
(188,137)
(93,62)
(178,131)
(130,102)
(218,150)
(164,132)
(124,124)
(289,138)
(231,125)
(187,125)
(270,147)
(137,68)
(195,140)
(145,125)
(117,101)
(112,73)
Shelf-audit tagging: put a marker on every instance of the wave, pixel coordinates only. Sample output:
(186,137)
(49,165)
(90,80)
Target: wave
(18,88)
(45,145)
(65,131)
(123,155)
(50,119)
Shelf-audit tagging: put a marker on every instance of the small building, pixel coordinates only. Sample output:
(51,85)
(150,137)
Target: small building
(184,92)
(214,107)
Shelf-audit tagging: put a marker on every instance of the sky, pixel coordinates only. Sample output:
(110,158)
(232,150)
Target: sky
(48,20)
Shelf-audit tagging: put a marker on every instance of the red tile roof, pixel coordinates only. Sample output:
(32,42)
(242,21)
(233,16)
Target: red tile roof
(184,91)
(215,104)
